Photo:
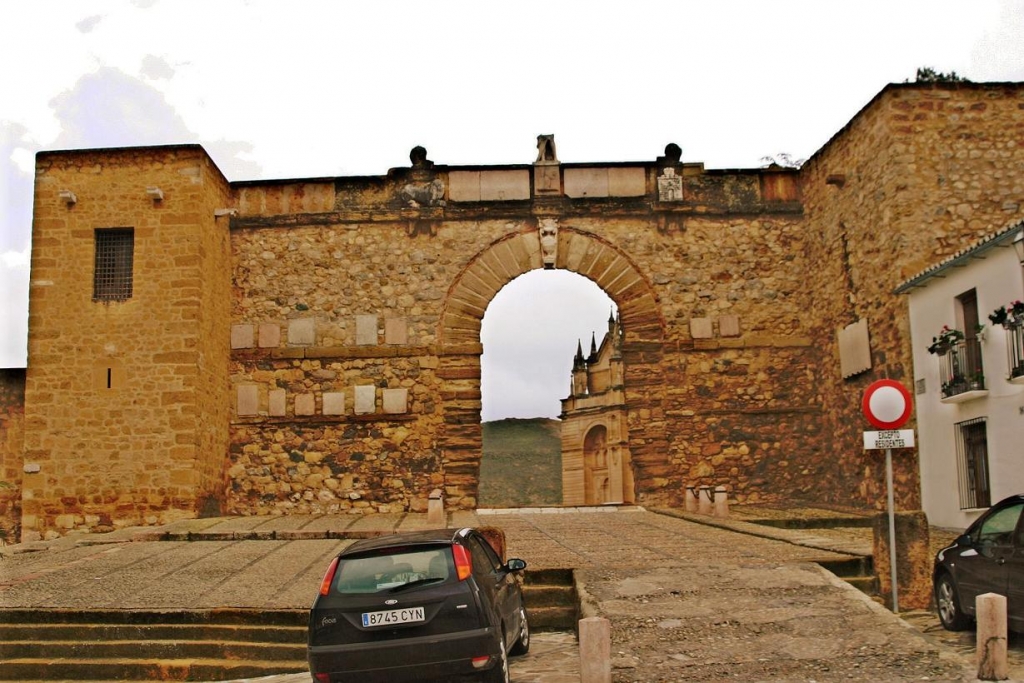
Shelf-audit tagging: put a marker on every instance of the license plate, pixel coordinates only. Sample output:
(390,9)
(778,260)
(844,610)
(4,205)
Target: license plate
(409,615)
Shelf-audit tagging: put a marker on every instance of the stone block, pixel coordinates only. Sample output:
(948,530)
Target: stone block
(366,399)
(248,400)
(586,182)
(504,185)
(913,559)
(366,330)
(334,403)
(464,186)
(305,404)
(396,331)
(547,180)
(242,336)
(627,182)
(302,332)
(396,401)
(700,328)
(269,335)
(729,325)
(277,399)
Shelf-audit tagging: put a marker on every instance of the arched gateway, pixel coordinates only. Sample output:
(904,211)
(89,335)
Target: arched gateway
(547,245)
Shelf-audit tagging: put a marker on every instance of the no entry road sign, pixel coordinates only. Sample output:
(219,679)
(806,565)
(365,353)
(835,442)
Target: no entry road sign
(886,404)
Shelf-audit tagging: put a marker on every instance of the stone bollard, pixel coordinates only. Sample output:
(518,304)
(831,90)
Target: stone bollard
(595,650)
(691,499)
(435,509)
(704,500)
(991,616)
(721,502)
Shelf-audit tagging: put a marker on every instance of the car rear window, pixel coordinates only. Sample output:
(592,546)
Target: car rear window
(394,569)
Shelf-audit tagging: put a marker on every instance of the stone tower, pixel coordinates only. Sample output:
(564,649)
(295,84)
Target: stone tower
(126,394)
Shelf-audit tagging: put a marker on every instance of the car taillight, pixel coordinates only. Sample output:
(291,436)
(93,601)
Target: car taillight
(481,662)
(325,585)
(463,562)
(322,678)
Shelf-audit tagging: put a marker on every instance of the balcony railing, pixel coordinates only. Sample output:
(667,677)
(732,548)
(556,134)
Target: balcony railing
(960,369)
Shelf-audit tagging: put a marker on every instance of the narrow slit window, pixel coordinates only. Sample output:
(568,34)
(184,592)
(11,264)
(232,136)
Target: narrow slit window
(113,273)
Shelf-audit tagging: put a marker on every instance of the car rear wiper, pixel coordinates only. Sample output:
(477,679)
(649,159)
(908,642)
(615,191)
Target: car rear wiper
(417,582)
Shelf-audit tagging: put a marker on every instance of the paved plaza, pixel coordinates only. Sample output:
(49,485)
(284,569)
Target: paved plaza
(689,597)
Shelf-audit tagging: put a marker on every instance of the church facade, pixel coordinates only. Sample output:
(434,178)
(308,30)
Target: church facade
(200,346)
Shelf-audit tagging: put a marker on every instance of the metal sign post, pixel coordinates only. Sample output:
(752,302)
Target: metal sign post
(892,531)
(886,405)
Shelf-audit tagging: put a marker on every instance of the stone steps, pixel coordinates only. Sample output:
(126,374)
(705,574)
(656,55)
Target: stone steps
(147,645)
(857,571)
(551,600)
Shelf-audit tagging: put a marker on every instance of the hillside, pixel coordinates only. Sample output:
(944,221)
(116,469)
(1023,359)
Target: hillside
(522,463)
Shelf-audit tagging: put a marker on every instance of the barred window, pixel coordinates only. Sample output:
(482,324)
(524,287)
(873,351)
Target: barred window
(972,464)
(115,253)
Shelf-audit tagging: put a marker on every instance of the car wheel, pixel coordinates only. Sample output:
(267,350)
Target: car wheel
(522,644)
(499,673)
(948,603)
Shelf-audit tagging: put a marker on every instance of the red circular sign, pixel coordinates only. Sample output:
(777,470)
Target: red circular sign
(886,404)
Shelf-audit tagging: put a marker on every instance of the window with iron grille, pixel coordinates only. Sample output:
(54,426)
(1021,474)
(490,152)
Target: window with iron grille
(115,253)
(972,464)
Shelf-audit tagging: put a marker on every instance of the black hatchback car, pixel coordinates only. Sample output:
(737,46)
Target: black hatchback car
(987,558)
(423,606)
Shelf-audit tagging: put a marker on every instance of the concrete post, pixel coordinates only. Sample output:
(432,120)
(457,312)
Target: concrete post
(704,500)
(595,650)
(991,616)
(690,499)
(721,502)
(435,509)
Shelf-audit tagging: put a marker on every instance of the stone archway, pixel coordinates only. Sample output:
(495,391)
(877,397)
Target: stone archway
(583,253)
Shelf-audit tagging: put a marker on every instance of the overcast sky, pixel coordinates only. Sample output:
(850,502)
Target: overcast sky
(310,89)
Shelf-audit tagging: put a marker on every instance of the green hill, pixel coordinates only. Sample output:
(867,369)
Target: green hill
(522,463)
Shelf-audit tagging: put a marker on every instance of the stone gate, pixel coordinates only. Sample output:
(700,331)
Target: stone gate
(312,345)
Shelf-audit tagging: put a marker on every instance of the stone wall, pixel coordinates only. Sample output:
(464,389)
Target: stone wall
(304,346)
(12,434)
(920,172)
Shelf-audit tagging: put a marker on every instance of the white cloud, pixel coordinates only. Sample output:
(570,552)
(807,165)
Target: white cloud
(13,309)
(530,333)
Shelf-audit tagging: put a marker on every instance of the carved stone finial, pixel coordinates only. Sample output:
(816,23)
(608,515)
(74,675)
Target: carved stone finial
(673,155)
(418,157)
(546,150)
(548,233)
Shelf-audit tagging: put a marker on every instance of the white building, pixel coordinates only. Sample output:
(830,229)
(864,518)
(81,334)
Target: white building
(969,379)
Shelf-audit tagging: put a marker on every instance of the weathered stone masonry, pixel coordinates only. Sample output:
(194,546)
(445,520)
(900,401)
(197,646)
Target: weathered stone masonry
(313,345)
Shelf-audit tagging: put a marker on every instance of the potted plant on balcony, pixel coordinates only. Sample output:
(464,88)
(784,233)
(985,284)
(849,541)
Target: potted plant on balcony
(977,382)
(956,385)
(946,339)
(1008,316)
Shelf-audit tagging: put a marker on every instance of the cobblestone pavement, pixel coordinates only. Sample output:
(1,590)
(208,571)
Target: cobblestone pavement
(688,597)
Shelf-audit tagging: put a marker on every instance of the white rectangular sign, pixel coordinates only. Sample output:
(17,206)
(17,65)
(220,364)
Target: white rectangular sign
(890,438)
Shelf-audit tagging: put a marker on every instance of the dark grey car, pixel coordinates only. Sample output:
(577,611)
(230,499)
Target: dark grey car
(987,558)
(424,606)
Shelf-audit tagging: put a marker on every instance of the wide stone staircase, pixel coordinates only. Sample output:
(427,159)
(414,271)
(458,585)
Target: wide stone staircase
(208,645)
(203,645)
